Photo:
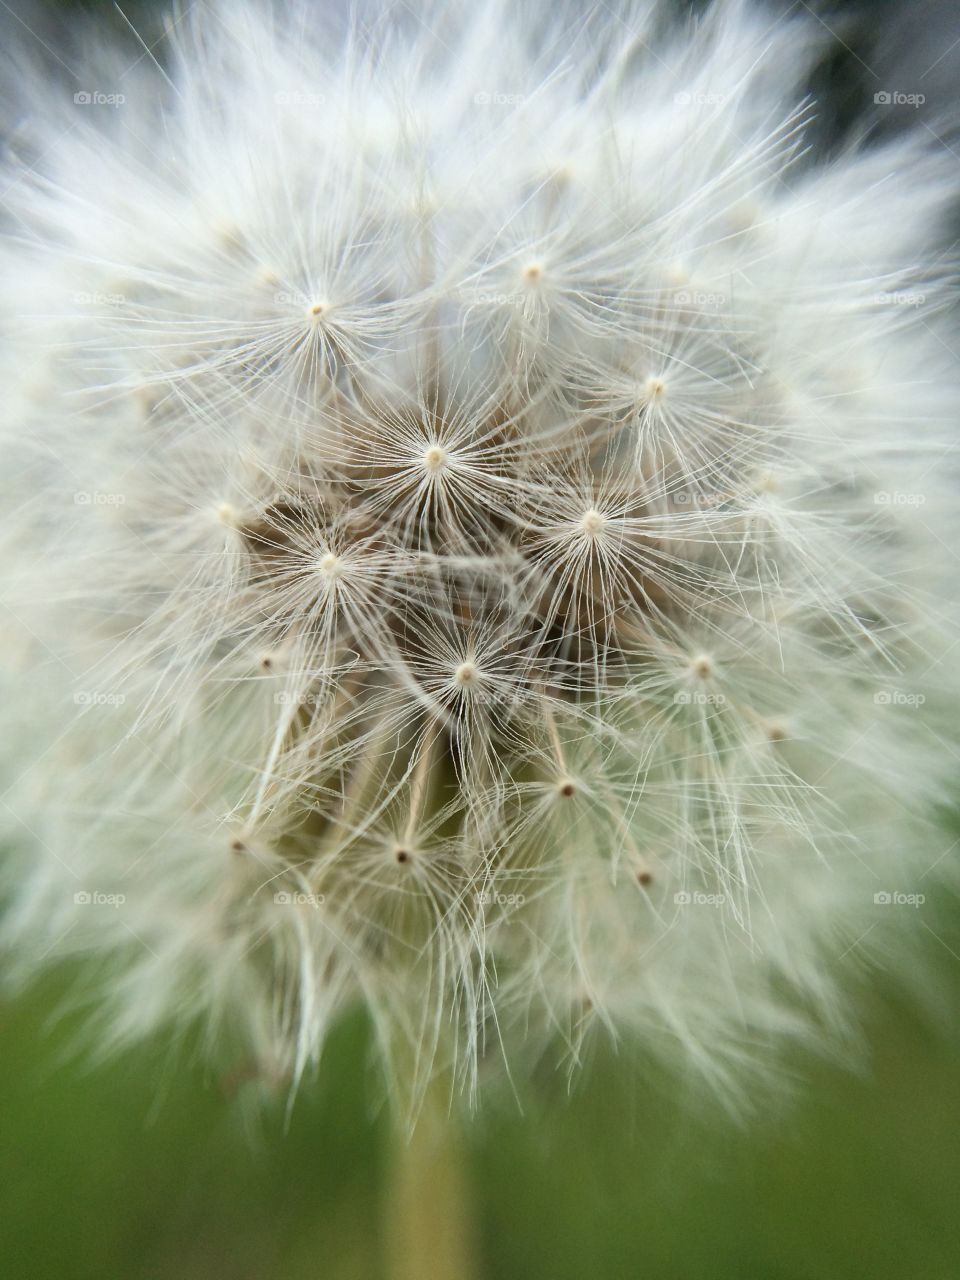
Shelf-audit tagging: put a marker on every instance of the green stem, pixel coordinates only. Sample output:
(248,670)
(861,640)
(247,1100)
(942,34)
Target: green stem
(429,1222)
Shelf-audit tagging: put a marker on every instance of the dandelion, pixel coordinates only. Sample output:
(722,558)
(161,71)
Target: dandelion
(487,622)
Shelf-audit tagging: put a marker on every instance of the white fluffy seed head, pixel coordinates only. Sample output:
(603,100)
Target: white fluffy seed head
(547,639)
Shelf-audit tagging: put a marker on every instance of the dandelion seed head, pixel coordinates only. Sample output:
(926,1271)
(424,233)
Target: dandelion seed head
(450,572)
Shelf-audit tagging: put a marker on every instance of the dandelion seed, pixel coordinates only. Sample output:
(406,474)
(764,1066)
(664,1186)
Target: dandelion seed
(702,667)
(435,458)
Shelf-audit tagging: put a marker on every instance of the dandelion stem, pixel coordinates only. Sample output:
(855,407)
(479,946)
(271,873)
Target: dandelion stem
(429,1228)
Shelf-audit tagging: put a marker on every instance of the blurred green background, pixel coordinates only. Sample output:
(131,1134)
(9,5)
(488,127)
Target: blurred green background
(144,1168)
